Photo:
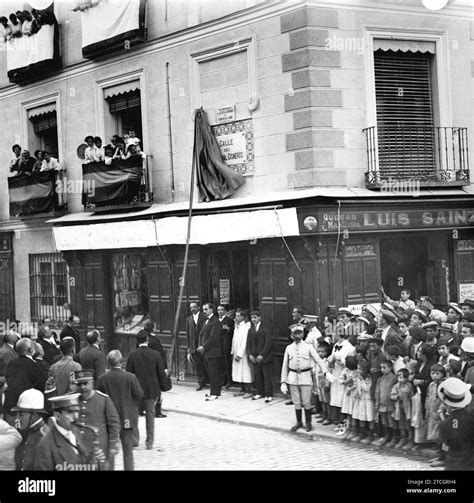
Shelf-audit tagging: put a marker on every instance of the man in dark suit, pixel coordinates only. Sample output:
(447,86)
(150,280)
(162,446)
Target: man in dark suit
(211,348)
(227,325)
(148,366)
(194,324)
(155,344)
(388,333)
(7,354)
(125,391)
(71,330)
(91,357)
(259,349)
(46,340)
(22,373)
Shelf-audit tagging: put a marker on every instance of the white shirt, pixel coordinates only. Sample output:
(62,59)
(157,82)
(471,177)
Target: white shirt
(257,326)
(398,364)
(195,318)
(68,434)
(52,164)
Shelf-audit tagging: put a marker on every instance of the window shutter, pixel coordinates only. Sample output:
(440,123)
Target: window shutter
(44,121)
(404,111)
(124,101)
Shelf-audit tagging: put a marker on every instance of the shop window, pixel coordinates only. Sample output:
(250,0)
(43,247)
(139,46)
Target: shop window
(49,287)
(44,126)
(130,291)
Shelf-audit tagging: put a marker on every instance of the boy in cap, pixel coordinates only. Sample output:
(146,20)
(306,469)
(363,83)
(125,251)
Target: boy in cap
(62,447)
(296,373)
(457,430)
(445,356)
(30,422)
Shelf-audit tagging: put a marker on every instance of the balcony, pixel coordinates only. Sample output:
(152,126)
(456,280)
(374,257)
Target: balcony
(426,156)
(122,185)
(36,194)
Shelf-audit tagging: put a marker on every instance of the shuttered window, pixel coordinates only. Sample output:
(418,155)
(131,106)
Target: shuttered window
(404,111)
(125,101)
(44,122)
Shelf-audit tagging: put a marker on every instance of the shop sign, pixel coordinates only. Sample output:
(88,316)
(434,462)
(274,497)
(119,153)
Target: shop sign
(329,220)
(466,291)
(224,291)
(235,141)
(131,298)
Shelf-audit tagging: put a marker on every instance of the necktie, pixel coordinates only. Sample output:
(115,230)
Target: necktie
(337,347)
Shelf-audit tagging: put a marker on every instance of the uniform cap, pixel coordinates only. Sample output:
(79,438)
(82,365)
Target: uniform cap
(83,376)
(70,401)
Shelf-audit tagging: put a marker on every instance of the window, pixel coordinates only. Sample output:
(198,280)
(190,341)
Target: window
(124,103)
(44,129)
(49,287)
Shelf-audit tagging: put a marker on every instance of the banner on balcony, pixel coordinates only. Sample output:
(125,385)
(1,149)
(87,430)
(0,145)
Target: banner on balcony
(109,25)
(31,194)
(34,55)
(117,183)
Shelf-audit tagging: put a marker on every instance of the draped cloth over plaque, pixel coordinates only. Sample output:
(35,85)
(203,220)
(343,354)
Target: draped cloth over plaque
(32,194)
(215,180)
(38,54)
(114,184)
(109,25)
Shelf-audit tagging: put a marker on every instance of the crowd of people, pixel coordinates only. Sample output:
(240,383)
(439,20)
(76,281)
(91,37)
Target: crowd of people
(394,376)
(23,162)
(118,148)
(24,23)
(63,411)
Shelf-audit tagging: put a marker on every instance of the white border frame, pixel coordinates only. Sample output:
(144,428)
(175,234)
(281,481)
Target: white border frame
(103,84)
(249,45)
(26,106)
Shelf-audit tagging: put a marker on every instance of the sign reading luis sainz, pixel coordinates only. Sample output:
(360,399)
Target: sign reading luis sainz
(328,220)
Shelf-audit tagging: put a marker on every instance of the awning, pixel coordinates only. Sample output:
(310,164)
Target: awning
(404,45)
(127,87)
(42,110)
(205,229)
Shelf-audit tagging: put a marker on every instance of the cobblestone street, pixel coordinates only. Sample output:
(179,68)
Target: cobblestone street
(184,442)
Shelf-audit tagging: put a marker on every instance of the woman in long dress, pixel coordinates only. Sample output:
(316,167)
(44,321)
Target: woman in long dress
(242,371)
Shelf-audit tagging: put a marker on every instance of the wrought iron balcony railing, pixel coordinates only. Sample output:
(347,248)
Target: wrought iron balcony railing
(429,156)
(123,184)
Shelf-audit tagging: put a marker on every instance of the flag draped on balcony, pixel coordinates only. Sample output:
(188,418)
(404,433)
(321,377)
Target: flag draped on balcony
(215,180)
(32,194)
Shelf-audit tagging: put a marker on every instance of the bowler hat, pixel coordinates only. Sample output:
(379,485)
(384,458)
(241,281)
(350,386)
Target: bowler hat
(83,376)
(467,302)
(444,340)
(70,401)
(455,393)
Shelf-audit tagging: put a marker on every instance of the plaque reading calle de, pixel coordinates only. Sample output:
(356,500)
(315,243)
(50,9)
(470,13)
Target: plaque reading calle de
(235,140)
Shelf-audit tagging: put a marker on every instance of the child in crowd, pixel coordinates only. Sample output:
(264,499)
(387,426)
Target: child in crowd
(133,140)
(401,394)
(393,354)
(432,406)
(348,380)
(384,406)
(445,355)
(322,385)
(454,369)
(363,409)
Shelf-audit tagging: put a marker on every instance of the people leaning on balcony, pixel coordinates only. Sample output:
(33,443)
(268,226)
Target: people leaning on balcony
(39,155)
(27,25)
(98,144)
(50,163)
(15,25)
(5,29)
(133,151)
(119,145)
(16,157)
(108,154)
(25,163)
(92,153)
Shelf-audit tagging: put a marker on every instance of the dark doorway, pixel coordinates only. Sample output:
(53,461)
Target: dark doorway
(228,277)
(407,258)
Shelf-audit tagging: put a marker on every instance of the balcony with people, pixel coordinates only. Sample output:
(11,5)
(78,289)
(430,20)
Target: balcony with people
(35,185)
(116,176)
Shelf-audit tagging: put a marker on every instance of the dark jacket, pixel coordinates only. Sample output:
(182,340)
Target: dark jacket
(155,344)
(7,353)
(70,331)
(211,338)
(193,331)
(457,432)
(125,392)
(92,358)
(23,373)
(25,453)
(148,366)
(50,351)
(393,338)
(44,366)
(260,342)
(227,325)
(54,450)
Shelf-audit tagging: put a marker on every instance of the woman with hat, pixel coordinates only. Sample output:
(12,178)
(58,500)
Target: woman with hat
(457,430)
(30,413)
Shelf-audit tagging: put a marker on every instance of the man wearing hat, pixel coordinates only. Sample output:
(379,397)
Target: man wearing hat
(62,447)
(457,430)
(467,307)
(467,361)
(30,422)
(97,410)
(418,337)
(388,333)
(346,326)
(445,356)
(432,329)
(454,316)
(296,372)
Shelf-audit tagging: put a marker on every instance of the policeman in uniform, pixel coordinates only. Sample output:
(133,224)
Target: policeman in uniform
(61,448)
(29,421)
(97,410)
(296,373)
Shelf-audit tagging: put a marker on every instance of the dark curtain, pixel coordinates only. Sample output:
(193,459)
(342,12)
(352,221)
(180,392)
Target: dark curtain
(215,180)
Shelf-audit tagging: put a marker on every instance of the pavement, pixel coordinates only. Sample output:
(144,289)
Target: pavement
(275,416)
